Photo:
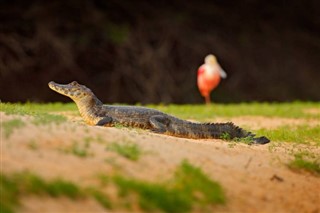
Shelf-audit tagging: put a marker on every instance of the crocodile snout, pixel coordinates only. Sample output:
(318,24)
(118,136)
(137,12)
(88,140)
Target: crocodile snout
(51,84)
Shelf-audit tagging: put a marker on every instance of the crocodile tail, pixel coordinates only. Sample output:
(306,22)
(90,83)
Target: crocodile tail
(216,130)
(225,130)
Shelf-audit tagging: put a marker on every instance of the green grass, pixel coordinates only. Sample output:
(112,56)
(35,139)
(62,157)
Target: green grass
(299,134)
(246,140)
(46,118)
(35,108)
(11,125)
(306,161)
(189,188)
(118,126)
(128,150)
(203,112)
(225,136)
(188,111)
(25,183)
(39,112)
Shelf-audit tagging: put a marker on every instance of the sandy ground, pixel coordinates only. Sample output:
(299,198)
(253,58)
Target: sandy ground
(255,178)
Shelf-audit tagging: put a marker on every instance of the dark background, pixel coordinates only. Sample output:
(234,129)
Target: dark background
(149,51)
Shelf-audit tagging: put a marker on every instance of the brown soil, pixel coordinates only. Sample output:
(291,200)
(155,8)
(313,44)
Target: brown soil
(255,178)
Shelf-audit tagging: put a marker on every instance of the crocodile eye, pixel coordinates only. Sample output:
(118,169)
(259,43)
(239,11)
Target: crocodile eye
(74,83)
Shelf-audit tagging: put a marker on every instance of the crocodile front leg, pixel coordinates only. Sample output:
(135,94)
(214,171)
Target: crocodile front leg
(104,121)
(159,123)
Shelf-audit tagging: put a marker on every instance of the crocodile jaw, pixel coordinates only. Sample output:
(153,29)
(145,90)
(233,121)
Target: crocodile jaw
(87,103)
(68,90)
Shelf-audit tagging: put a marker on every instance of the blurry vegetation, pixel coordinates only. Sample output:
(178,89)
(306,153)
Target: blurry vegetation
(190,188)
(10,126)
(46,118)
(79,149)
(125,50)
(25,183)
(33,145)
(306,161)
(128,150)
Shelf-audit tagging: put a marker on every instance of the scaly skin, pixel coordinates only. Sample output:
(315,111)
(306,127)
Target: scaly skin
(95,113)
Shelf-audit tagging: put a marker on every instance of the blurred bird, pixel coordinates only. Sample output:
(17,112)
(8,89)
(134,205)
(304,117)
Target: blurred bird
(209,76)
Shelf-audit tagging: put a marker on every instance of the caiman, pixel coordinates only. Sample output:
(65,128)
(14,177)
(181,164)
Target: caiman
(94,112)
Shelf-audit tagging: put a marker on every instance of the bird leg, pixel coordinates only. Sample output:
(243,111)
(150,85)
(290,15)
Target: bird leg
(207,99)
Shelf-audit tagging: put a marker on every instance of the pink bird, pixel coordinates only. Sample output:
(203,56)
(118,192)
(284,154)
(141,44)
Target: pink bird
(209,76)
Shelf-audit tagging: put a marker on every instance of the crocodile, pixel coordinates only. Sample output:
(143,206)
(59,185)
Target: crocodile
(94,112)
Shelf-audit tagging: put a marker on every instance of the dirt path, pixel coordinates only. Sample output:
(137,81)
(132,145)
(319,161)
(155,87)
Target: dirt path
(255,178)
